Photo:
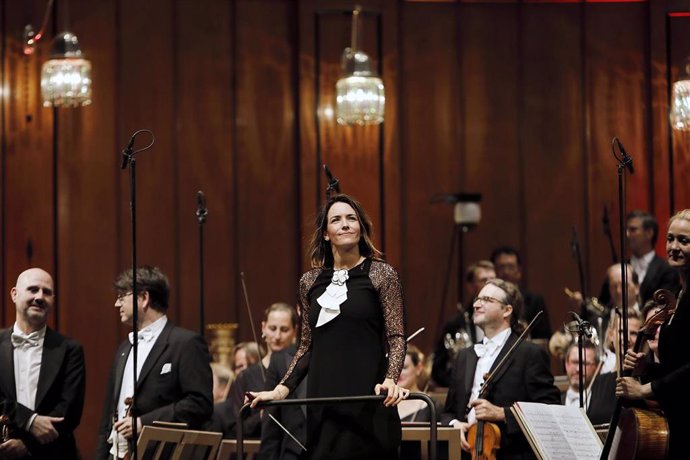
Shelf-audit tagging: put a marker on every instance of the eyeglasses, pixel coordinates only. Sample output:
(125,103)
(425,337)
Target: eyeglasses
(121,296)
(485,298)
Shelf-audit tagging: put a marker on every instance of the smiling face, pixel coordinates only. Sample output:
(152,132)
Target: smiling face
(343,229)
(33,296)
(678,244)
(490,309)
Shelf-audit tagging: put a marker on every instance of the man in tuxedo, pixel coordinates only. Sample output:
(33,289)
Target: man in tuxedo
(652,271)
(42,377)
(600,397)
(525,376)
(476,277)
(174,380)
(508,265)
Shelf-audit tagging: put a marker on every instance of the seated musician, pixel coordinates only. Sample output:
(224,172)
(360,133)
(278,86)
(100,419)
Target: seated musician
(668,381)
(414,377)
(599,397)
(525,376)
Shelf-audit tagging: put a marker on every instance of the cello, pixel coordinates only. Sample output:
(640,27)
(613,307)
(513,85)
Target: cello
(641,432)
(483,437)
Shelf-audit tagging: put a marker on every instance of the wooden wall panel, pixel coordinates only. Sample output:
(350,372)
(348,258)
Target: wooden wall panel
(268,229)
(87,231)
(615,78)
(679,53)
(431,160)
(28,167)
(490,120)
(551,148)
(146,99)
(204,135)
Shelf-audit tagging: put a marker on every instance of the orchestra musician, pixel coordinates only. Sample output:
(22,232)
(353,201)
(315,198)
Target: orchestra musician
(526,375)
(667,381)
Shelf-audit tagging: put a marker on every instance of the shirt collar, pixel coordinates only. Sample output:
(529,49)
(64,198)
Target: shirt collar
(39,334)
(499,339)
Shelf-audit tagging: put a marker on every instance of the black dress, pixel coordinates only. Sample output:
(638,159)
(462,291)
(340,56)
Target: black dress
(347,357)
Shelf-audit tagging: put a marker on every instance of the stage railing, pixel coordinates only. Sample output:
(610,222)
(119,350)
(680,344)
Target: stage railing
(338,400)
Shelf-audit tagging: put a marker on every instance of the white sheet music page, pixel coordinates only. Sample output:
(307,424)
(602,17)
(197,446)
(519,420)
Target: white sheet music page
(563,433)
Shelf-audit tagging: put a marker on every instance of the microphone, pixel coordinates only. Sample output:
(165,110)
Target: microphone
(201,211)
(333,183)
(627,159)
(583,325)
(127,152)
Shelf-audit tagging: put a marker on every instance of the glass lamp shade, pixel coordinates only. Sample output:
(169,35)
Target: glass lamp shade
(66,76)
(680,106)
(360,100)
(66,82)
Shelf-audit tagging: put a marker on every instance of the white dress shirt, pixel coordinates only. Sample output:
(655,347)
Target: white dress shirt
(489,350)
(640,265)
(147,338)
(28,351)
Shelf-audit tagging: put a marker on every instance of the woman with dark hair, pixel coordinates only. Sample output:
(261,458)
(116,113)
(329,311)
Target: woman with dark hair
(667,381)
(352,309)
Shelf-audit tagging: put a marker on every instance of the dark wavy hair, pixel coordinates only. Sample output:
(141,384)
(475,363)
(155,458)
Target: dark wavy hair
(320,250)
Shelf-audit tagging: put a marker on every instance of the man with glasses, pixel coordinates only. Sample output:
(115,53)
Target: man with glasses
(525,376)
(456,330)
(174,382)
(600,389)
(41,377)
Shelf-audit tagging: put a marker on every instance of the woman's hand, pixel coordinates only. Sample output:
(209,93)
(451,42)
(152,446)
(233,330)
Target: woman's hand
(276,394)
(629,387)
(395,392)
(632,360)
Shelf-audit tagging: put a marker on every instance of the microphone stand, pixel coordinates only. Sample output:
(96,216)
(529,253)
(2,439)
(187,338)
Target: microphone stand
(624,162)
(584,329)
(201,213)
(129,159)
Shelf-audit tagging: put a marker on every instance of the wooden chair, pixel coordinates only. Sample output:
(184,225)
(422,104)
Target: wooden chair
(421,434)
(158,443)
(198,445)
(229,447)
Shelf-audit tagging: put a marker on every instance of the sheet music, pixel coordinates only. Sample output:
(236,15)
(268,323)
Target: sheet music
(562,433)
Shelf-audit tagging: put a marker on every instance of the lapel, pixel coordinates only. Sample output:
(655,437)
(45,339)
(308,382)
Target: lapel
(158,349)
(470,369)
(51,361)
(7,385)
(652,269)
(121,357)
(512,338)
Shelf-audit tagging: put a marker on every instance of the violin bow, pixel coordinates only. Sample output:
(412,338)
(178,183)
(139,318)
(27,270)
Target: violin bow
(261,366)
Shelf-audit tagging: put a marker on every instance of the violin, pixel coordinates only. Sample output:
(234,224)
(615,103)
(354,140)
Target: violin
(484,437)
(129,402)
(5,430)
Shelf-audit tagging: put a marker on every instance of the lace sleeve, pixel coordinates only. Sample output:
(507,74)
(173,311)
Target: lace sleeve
(386,281)
(300,363)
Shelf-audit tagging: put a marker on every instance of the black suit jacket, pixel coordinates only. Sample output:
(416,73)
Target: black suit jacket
(524,377)
(659,276)
(275,444)
(184,394)
(60,393)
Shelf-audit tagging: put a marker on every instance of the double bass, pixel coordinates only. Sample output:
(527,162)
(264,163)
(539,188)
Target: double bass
(638,431)
(483,437)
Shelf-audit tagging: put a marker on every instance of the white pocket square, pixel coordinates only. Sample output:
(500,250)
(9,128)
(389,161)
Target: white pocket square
(167,367)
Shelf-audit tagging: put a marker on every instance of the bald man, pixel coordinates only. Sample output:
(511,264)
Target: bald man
(42,377)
